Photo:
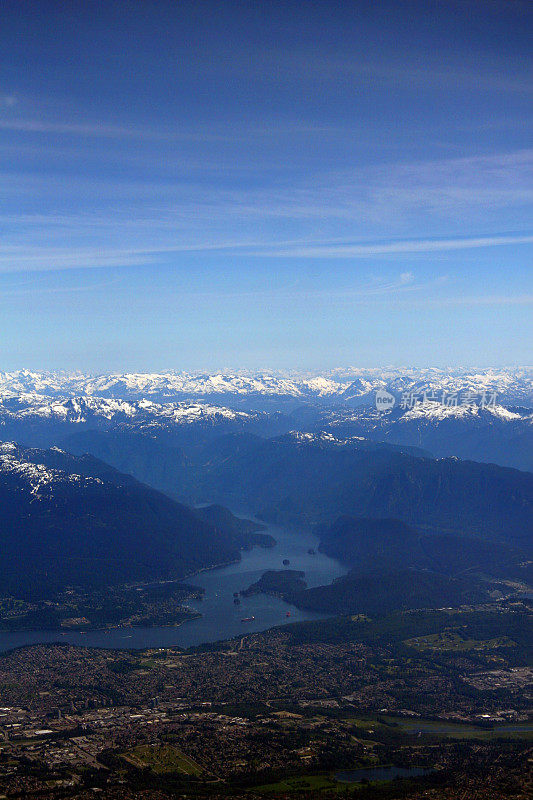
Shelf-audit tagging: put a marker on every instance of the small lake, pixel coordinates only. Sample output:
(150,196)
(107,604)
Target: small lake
(380,774)
(221,618)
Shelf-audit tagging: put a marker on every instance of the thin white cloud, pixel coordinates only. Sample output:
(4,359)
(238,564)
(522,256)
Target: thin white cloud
(444,74)
(20,257)
(366,212)
(399,247)
(478,300)
(100,129)
(221,133)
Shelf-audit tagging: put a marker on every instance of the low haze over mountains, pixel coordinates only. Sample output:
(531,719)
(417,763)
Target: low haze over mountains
(92,468)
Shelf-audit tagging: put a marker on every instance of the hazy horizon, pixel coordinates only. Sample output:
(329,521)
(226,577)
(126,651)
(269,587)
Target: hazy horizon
(329,371)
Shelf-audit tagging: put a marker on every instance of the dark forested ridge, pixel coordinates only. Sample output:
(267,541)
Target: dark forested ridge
(245,532)
(362,543)
(69,520)
(199,454)
(282,582)
(297,479)
(394,566)
(382,591)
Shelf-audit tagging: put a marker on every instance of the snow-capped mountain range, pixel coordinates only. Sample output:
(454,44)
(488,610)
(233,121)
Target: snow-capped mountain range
(511,386)
(493,433)
(86,409)
(167,385)
(483,415)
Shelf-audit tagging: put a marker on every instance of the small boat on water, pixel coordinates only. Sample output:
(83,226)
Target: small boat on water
(247,619)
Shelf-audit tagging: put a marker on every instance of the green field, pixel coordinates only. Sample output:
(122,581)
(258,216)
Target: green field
(453,641)
(162,760)
(454,730)
(325,783)
(306,783)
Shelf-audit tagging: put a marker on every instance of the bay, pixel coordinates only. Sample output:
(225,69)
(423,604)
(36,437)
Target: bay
(221,618)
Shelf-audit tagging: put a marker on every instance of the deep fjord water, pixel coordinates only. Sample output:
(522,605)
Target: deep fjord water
(221,618)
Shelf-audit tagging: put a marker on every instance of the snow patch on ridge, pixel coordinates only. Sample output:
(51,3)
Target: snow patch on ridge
(37,478)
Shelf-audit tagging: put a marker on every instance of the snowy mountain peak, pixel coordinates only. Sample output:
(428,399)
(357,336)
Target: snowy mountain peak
(513,386)
(35,477)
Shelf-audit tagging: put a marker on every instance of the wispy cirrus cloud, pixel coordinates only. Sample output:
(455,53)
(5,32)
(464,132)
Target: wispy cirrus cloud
(389,210)
(8,100)
(397,74)
(366,192)
(17,257)
(399,247)
(470,301)
(106,130)
(169,134)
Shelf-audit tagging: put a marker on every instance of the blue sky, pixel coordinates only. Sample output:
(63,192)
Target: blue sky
(253,185)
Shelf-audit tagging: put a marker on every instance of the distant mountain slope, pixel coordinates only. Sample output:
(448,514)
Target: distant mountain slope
(178,462)
(244,531)
(69,520)
(41,421)
(154,457)
(350,385)
(494,434)
(307,479)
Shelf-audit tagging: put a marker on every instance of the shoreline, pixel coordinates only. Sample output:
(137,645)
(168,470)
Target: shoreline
(214,621)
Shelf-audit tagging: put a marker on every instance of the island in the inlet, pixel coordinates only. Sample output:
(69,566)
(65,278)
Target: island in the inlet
(281,583)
